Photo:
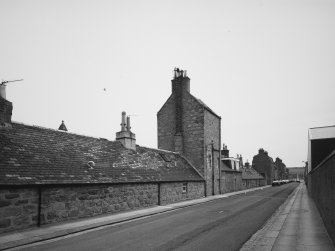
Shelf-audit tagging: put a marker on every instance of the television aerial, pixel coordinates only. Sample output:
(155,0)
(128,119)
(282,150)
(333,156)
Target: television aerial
(3,86)
(10,81)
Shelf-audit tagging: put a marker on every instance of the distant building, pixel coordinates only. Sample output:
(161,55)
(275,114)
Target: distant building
(296,173)
(187,125)
(281,170)
(265,166)
(251,178)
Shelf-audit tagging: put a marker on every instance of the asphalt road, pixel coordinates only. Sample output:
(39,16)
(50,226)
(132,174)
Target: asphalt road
(223,224)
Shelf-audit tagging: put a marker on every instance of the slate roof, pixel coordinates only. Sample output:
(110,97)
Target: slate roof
(250,174)
(225,168)
(199,101)
(206,106)
(37,155)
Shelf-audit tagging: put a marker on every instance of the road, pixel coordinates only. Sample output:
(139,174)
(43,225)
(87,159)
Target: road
(223,224)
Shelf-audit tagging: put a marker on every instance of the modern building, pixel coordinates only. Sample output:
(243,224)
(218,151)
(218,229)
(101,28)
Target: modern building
(321,143)
(321,173)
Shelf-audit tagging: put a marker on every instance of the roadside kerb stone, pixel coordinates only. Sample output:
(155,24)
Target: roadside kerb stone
(58,230)
(265,238)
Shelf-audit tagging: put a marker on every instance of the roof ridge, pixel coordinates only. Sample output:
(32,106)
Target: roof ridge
(203,104)
(61,131)
(158,149)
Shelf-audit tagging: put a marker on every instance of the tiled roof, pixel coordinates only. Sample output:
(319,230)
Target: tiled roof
(250,174)
(36,155)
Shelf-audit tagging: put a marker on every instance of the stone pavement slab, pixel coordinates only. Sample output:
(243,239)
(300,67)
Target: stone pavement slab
(296,225)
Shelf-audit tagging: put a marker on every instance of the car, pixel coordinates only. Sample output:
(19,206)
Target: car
(276,183)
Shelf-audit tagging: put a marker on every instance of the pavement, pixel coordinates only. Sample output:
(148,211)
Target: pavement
(296,225)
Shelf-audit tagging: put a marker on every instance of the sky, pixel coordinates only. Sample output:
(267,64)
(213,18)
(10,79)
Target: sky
(266,67)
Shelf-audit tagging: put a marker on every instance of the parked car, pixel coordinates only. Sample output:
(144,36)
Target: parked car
(276,183)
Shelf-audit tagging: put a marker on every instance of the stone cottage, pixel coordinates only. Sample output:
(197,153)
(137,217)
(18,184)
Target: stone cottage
(251,178)
(187,125)
(49,175)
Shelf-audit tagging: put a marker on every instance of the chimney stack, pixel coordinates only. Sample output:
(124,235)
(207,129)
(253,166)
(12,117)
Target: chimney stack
(180,86)
(3,90)
(225,151)
(6,108)
(247,164)
(125,136)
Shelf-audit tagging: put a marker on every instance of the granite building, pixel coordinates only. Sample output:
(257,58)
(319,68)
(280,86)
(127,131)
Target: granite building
(49,176)
(188,126)
(264,165)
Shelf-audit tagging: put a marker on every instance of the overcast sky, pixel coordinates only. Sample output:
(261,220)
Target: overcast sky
(266,67)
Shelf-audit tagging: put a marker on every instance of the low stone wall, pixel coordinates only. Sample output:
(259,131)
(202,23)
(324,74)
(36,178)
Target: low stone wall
(251,183)
(20,208)
(66,203)
(174,192)
(321,185)
(231,181)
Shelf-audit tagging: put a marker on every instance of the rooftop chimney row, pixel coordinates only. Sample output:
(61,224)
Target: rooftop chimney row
(125,136)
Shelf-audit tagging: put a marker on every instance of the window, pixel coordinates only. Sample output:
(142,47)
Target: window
(184,188)
(165,157)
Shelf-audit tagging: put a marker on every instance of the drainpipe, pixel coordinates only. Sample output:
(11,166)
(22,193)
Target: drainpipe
(220,156)
(213,170)
(39,206)
(159,193)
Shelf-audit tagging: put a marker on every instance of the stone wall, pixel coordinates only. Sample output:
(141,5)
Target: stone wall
(173,192)
(18,208)
(166,121)
(65,203)
(231,181)
(251,183)
(322,188)
(212,128)
(193,126)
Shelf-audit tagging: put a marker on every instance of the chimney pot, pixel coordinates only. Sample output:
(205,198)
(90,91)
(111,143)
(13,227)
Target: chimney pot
(123,122)
(125,136)
(128,124)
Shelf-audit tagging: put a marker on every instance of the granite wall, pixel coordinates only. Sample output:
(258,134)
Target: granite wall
(28,207)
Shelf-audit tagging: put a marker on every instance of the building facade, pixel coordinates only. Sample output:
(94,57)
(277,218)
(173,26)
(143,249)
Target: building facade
(49,176)
(265,166)
(281,170)
(188,126)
